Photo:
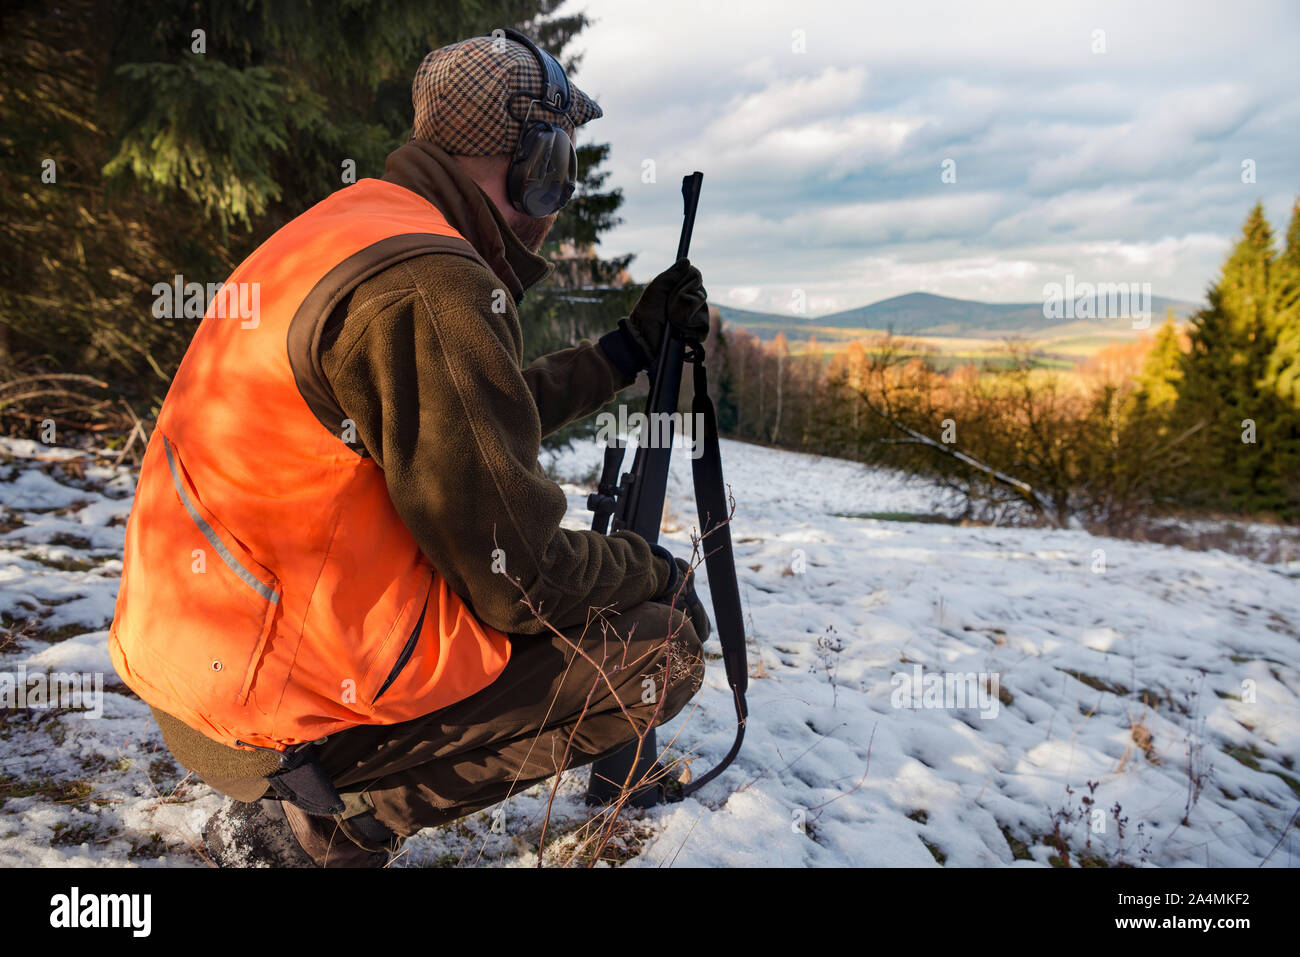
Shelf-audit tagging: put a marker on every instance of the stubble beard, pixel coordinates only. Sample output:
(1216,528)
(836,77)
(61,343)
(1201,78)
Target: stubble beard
(531,231)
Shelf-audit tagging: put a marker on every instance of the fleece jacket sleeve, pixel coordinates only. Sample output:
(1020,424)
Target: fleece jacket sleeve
(573,383)
(432,377)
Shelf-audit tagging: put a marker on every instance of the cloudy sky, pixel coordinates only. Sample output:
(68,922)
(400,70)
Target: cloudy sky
(823,128)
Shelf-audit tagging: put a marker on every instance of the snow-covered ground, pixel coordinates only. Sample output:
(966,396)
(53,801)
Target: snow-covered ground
(1137,703)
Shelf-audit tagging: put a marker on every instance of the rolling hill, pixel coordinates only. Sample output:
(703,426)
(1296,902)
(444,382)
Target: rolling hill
(925,314)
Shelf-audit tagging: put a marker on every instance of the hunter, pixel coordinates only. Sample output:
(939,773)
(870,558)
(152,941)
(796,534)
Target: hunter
(347,597)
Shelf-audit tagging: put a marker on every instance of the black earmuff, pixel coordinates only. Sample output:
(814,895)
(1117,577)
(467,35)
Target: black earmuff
(544,169)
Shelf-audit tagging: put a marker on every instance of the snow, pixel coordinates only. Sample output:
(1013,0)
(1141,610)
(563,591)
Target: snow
(1120,681)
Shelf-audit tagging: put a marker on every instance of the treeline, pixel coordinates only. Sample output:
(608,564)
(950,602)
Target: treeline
(1205,417)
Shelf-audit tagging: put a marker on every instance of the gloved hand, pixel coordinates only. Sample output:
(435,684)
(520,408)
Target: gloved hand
(680,592)
(675,297)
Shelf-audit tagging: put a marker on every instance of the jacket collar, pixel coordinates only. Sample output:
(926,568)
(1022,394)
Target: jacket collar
(430,172)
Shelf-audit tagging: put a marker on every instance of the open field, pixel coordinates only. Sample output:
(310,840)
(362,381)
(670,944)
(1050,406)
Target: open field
(1165,689)
(1063,350)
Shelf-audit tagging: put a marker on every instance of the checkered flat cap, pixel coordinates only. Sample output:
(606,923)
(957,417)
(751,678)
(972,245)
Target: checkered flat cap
(461,92)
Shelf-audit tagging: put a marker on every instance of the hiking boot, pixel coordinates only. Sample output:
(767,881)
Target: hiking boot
(359,841)
(661,788)
(253,835)
(271,833)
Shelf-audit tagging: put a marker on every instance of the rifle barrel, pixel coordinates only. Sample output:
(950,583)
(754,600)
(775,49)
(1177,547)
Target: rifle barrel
(690,202)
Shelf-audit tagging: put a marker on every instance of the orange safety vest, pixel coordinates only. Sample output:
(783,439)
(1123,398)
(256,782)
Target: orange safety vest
(271,594)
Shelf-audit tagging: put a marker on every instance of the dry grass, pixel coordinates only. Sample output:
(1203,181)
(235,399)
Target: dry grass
(1140,740)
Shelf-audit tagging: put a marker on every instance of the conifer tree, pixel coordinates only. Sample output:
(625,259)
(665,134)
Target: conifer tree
(178,134)
(1282,374)
(721,359)
(1291,253)
(1162,371)
(1248,440)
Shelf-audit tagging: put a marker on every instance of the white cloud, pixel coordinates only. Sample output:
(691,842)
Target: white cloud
(822,168)
(782,104)
(743,295)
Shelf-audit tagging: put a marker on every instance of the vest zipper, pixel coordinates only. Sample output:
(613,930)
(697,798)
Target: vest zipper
(408,649)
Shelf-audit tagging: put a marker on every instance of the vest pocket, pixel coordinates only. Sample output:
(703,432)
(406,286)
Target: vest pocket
(411,639)
(238,595)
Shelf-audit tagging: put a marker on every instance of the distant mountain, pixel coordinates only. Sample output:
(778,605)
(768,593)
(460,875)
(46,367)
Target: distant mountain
(925,314)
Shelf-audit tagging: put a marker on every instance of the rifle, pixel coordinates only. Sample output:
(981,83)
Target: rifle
(636,501)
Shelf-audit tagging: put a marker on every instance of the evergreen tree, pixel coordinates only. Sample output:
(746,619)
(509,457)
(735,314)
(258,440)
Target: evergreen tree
(279,96)
(177,152)
(1249,434)
(1291,254)
(1162,371)
(1282,374)
(722,370)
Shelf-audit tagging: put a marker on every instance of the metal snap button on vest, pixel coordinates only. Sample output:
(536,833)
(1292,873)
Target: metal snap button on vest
(216,665)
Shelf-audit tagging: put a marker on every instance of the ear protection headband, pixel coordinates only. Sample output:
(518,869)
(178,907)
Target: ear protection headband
(543,172)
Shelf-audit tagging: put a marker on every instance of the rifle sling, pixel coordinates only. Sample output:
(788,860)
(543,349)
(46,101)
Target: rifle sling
(719,559)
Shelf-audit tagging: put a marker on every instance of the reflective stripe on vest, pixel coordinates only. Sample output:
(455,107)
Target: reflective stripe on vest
(253,582)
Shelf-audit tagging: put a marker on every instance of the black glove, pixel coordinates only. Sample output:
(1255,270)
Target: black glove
(675,297)
(680,592)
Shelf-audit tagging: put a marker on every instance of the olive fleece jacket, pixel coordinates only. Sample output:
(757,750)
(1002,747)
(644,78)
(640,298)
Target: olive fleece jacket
(426,358)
